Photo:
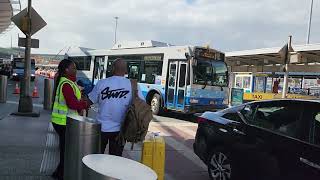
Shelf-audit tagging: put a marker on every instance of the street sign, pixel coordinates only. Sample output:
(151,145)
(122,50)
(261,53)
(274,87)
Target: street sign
(34,43)
(20,20)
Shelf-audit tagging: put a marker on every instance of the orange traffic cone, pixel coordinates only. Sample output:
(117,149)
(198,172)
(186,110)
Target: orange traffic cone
(16,89)
(35,93)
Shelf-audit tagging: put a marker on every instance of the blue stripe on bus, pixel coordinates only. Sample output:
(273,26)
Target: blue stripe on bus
(204,101)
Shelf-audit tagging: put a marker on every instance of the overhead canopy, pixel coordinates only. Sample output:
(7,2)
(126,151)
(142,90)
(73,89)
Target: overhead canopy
(7,10)
(78,51)
(304,58)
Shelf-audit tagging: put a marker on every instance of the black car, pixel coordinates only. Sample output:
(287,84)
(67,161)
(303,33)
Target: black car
(277,139)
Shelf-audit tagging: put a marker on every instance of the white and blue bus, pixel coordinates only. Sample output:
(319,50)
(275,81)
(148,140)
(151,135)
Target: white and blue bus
(186,79)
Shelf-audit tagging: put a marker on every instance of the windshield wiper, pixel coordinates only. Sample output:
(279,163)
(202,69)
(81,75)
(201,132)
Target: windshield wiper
(204,78)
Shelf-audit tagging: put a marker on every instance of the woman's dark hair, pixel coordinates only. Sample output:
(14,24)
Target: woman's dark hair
(63,65)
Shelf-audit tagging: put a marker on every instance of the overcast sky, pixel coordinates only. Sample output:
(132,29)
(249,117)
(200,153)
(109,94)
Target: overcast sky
(226,25)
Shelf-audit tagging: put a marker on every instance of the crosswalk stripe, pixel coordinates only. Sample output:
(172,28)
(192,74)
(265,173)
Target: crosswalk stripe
(183,149)
(187,131)
(136,155)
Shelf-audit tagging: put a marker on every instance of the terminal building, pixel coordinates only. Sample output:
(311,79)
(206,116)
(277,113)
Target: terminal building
(257,70)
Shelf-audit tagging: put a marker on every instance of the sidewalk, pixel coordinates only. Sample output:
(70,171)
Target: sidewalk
(29,147)
(23,141)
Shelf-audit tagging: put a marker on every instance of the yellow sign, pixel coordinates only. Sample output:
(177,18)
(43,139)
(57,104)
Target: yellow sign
(269,96)
(257,96)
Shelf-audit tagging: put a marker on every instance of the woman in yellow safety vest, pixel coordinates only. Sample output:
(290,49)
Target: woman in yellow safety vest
(67,100)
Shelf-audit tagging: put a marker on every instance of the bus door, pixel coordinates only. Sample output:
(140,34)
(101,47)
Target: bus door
(176,85)
(98,68)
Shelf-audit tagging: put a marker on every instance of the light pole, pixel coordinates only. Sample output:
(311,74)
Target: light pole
(310,21)
(115,32)
(25,101)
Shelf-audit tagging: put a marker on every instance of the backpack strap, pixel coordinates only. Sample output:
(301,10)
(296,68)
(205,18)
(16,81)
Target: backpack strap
(134,88)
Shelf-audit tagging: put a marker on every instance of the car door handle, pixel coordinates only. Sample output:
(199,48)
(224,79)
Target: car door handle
(309,163)
(238,132)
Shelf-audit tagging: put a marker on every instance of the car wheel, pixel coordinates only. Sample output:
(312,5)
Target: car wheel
(219,165)
(155,104)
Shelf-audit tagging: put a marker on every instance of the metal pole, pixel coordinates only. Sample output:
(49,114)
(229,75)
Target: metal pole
(286,71)
(310,21)
(47,95)
(115,32)
(25,102)
(3,90)
(11,56)
(285,82)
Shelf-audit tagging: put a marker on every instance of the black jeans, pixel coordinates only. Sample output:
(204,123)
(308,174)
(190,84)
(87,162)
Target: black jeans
(115,148)
(61,130)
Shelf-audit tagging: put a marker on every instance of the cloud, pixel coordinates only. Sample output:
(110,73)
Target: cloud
(225,24)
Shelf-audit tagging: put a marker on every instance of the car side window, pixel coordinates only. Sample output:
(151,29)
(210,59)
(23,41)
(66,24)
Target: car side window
(248,112)
(232,116)
(280,117)
(312,115)
(316,134)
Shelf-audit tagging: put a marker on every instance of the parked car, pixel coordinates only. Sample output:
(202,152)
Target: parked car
(277,139)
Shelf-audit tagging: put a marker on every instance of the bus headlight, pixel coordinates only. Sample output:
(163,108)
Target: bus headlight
(194,101)
(14,74)
(32,75)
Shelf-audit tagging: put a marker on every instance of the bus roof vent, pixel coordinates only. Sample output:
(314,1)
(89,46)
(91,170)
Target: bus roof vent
(139,44)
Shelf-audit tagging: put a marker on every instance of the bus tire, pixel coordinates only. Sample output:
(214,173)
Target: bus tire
(155,104)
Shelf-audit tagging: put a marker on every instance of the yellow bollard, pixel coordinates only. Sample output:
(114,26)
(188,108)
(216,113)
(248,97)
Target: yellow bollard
(153,154)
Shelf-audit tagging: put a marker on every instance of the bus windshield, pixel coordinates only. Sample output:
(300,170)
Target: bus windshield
(212,73)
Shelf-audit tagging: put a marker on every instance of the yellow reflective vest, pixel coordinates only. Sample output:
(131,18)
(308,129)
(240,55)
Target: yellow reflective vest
(60,108)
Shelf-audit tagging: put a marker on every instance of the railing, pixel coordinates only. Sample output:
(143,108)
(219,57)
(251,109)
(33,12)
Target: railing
(314,91)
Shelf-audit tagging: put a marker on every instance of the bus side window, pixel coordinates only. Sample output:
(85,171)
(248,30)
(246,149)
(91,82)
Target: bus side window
(133,71)
(151,71)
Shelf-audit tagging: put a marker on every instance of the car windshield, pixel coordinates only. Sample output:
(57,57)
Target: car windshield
(212,73)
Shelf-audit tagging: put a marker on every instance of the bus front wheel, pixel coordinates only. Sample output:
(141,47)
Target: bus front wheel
(155,104)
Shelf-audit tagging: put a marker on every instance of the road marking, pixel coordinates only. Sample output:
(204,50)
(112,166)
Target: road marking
(184,129)
(50,157)
(187,131)
(136,155)
(172,121)
(15,102)
(183,149)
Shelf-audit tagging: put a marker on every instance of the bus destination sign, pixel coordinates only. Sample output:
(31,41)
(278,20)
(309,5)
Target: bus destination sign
(152,58)
(208,53)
